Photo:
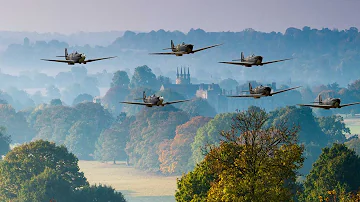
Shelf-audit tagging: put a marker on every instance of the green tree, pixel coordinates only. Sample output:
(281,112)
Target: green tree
(55,102)
(111,144)
(252,162)
(4,141)
(198,107)
(15,124)
(99,193)
(120,78)
(112,98)
(310,134)
(151,127)
(334,127)
(164,80)
(336,168)
(81,139)
(48,185)
(81,98)
(29,160)
(144,77)
(209,134)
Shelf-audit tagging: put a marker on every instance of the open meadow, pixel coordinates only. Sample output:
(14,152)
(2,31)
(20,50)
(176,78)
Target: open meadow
(136,185)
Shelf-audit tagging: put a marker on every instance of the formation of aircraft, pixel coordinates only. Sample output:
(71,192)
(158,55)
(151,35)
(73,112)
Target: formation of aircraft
(251,60)
(76,57)
(328,103)
(153,100)
(183,49)
(261,91)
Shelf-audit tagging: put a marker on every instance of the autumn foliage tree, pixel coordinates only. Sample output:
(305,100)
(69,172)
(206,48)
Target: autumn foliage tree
(174,154)
(252,163)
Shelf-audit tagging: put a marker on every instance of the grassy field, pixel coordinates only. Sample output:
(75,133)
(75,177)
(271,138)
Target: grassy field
(137,186)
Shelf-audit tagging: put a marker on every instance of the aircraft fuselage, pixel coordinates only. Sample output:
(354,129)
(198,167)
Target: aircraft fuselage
(76,58)
(254,60)
(333,102)
(261,90)
(185,48)
(154,100)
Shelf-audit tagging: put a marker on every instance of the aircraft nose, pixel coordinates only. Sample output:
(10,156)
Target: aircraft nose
(338,101)
(260,58)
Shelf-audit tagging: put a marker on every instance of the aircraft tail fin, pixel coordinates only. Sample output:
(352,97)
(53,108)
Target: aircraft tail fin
(242,56)
(172,46)
(250,87)
(66,54)
(319,100)
(143,98)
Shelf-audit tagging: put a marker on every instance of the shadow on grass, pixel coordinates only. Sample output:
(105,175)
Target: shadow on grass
(129,196)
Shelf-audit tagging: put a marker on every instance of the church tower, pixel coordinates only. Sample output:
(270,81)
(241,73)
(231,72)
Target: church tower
(183,77)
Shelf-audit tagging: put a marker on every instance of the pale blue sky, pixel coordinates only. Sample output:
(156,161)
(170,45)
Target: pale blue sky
(65,16)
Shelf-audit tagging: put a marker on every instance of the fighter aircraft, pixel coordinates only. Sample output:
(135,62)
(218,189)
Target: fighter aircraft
(261,91)
(153,100)
(252,60)
(182,49)
(76,57)
(328,103)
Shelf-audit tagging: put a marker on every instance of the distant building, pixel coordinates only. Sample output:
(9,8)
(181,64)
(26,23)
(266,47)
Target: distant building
(211,92)
(182,78)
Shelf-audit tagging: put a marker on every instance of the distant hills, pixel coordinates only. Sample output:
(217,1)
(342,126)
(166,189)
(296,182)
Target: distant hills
(320,56)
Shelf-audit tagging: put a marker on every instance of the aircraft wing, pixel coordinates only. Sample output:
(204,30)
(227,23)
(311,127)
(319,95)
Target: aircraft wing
(354,103)
(168,53)
(281,91)
(248,95)
(64,61)
(173,102)
(318,106)
(238,63)
(92,60)
(137,103)
(194,51)
(264,63)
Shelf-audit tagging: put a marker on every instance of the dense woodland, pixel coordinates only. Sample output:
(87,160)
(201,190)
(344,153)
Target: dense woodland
(299,153)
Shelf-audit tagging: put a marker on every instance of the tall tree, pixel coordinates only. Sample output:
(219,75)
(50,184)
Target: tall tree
(252,162)
(336,168)
(120,78)
(29,160)
(334,127)
(4,141)
(144,77)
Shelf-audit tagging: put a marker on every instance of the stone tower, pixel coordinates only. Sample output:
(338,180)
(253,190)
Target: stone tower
(183,77)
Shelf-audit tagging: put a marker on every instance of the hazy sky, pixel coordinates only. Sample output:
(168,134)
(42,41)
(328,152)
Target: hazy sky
(66,16)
